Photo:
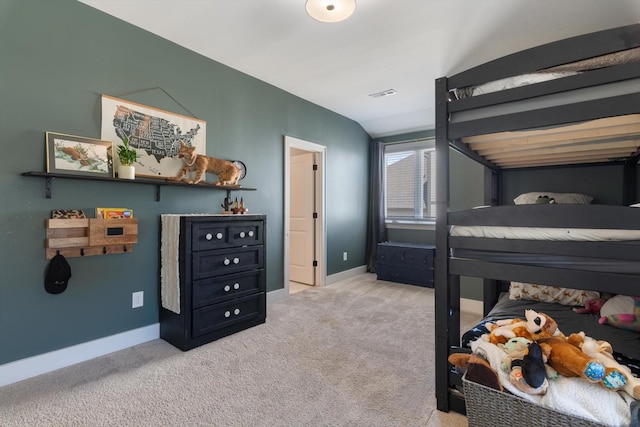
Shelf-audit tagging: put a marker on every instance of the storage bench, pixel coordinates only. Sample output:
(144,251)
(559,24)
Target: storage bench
(409,263)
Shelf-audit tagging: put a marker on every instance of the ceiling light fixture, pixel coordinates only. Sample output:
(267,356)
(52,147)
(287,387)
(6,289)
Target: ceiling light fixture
(330,10)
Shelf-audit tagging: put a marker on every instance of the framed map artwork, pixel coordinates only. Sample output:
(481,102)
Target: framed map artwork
(154,133)
(77,155)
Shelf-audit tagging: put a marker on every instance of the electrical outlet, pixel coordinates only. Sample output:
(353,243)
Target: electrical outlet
(137,299)
(344,256)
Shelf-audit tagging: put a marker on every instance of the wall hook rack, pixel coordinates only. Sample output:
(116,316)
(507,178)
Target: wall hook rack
(88,237)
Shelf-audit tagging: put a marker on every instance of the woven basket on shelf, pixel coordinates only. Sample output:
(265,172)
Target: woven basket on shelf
(489,407)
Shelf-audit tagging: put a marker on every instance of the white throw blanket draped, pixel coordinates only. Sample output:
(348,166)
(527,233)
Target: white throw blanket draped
(574,396)
(169,270)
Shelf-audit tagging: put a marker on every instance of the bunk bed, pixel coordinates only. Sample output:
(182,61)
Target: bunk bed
(555,108)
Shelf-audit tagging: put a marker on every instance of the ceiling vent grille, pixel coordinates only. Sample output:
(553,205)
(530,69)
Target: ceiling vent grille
(387,92)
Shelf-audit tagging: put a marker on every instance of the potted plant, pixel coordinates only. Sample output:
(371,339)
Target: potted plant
(127,156)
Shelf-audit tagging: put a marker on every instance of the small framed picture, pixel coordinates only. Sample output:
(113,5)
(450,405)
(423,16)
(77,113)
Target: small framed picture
(77,155)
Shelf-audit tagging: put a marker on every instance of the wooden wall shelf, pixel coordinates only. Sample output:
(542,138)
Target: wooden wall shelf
(87,237)
(158,182)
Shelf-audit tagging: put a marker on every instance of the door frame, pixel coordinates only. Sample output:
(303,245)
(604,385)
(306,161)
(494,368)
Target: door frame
(320,229)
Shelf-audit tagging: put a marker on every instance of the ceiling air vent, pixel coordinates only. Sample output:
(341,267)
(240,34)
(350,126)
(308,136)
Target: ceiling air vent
(387,92)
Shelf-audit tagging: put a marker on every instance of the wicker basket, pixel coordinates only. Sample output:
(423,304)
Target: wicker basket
(487,407)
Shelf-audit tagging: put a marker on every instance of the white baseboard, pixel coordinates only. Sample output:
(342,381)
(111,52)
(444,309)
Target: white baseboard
(277,295)
(23,369)
(41,364)
(280,294)
(347,274)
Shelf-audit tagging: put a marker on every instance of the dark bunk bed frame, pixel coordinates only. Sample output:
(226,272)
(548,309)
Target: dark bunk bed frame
(449,134)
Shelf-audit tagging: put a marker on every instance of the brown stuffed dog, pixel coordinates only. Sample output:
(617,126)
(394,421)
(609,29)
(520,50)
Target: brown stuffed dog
(564,353)
(602,351)
(535,326)
(565,356)
(477,369)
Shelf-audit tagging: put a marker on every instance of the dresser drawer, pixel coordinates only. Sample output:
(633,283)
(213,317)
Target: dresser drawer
(214,235)
(222,288)
(226,261)
(222,285)
(218,316)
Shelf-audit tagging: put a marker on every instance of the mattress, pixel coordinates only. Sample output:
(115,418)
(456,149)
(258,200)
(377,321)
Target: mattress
(510,83)
(540,233)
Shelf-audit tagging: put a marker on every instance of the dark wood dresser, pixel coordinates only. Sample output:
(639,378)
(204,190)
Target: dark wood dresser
(221,277)
(409,263)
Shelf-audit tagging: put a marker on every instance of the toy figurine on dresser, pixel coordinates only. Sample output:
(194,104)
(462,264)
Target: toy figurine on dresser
(235,207)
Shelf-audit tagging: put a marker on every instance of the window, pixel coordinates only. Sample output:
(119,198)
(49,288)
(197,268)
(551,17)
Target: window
(409,181)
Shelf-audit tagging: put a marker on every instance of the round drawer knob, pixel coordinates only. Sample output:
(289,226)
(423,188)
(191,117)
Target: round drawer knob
(208,236)
(236,286)
(227,288)
(251,234)
(227,261)
(236,260)
(242,234)
(236,311)
(227,313)
(219,236)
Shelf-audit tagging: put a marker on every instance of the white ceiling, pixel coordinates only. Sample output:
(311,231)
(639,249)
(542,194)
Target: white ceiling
(386,44)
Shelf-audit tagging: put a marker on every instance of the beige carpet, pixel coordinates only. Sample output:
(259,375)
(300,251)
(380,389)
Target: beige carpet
(356,353)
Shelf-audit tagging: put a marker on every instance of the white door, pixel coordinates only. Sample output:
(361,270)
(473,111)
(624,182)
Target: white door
(302,233)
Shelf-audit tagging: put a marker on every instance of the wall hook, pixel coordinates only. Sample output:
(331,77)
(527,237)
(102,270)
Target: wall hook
(104,250)
(124,248)
(81,251)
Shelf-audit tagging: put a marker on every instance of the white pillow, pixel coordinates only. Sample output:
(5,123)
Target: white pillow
(564,296)
(560,198)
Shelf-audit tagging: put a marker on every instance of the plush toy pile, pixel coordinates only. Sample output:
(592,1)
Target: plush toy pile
(536,354)
(568,356)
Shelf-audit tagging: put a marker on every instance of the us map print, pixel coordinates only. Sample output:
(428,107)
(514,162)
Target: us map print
(154,133)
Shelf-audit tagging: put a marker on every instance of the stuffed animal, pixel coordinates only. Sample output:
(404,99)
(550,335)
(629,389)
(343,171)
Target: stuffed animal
(535,326)
(515,349)
(477,369)
(564,353)
(591,306)
(621,311)
(602,351)
(502,330)
(522,365)
(532,364)
(545,200)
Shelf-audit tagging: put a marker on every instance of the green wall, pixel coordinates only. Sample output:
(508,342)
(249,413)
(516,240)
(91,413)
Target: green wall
(58,57)
(466,179)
